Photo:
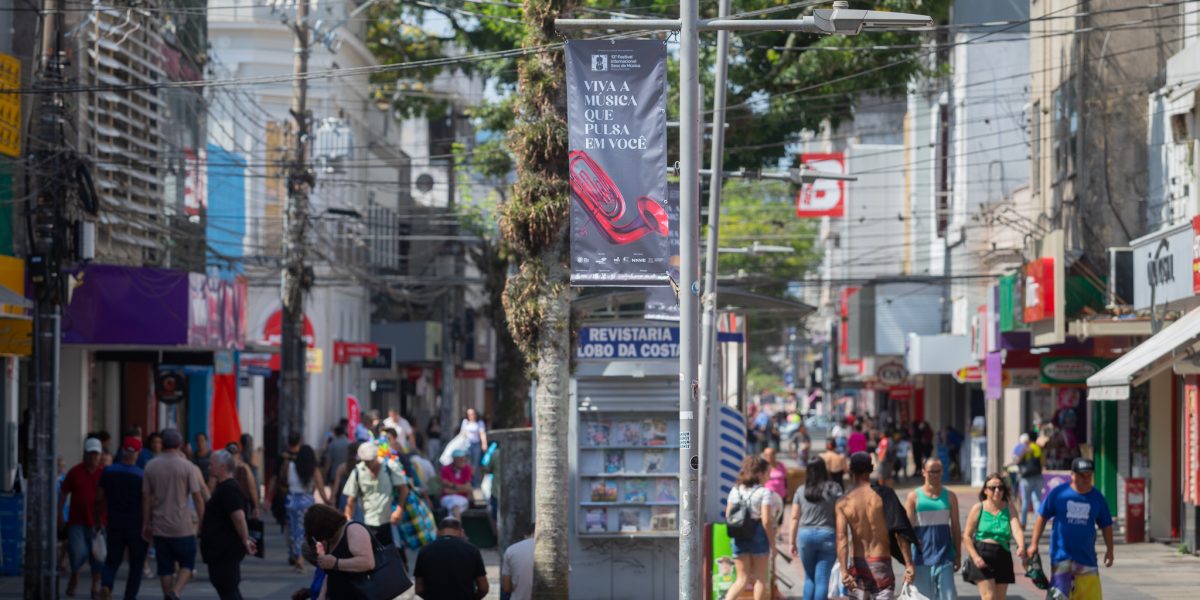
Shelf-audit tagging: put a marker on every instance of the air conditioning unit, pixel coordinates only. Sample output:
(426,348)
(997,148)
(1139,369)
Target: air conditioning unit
(1120,278)
(333,144)
(424,190)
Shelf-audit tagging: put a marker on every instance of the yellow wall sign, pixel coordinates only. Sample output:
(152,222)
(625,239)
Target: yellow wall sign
(315,362)
(10,105)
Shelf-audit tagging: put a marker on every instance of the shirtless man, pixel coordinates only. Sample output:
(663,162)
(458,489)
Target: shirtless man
(864,552)
(834,462)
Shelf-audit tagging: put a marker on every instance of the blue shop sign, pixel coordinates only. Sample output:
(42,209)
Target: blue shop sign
(628,342)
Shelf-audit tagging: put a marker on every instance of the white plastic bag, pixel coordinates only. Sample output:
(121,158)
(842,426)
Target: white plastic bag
(835,581)
(909,592)
(99,546)
(458,443)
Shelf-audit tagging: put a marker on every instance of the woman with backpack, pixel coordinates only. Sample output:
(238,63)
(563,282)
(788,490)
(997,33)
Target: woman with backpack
(812,530)
(750,520)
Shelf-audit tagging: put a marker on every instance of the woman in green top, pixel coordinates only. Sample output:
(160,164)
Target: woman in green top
(991,526)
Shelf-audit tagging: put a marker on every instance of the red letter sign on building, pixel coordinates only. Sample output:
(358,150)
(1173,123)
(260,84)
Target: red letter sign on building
(823,197)
(1039,290)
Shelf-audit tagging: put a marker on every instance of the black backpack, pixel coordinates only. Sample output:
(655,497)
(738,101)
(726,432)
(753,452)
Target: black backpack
(740,524)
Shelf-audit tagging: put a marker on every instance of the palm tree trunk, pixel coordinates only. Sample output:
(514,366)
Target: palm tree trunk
(550,553)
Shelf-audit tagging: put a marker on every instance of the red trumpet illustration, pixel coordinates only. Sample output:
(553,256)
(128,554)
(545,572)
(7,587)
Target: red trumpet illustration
(599,196)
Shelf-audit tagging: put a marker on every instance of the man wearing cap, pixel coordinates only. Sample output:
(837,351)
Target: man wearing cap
(1077,509)
(863,537)
(450,568)
(456,484)
(121,498)
(170,481)
(371,484)
(83,520)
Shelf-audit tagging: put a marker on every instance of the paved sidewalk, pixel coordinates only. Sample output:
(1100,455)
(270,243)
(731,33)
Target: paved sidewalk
(267,579)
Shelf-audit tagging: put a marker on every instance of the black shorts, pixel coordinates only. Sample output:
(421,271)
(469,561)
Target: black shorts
(999,564)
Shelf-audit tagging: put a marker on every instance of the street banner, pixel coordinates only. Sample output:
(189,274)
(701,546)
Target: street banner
(617,133)
(823,197)
(661,304)
(353,414)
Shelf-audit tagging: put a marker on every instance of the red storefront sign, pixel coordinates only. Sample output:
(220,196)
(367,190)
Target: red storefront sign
(273,330)
(1135,511)
(823,197)
(1039,290)
(1191,441)
(1196,254)
(344,351)
(854,367)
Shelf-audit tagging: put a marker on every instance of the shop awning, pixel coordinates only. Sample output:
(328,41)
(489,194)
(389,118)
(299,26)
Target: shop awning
(1146,360)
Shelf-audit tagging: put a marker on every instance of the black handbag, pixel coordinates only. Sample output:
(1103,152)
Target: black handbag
(389,578)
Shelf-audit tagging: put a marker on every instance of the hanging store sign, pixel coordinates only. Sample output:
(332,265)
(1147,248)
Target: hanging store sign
(628,342)
(344,351)
(617,134)
(823,197)
(1039,290)
(381,360)
(1070,370)
(891,374)
(969,374)
(1163,267)
(1196,254)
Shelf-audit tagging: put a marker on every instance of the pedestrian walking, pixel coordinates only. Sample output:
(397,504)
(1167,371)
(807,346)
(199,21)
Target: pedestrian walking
(811,528)
(835,463)
(202,457)
(885,459)
(243,475)
(299,480)
(456,484)
(1029,466)
(752,553)
(864,528)
(450,568)
(516,569)
(777,473)
(247,445)
(1077,509)
(856,441)
(433,437)
(476,433)
(224,536)
(903,451)
(371,485)
(120,495)
(934,511)
(169,483)
(342,474)
(84,518)
(991,527)
(345,550)
(152,448)
(404,430)
(337,451)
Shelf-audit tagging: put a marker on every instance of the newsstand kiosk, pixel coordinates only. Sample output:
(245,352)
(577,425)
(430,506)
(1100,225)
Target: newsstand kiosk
(624,464)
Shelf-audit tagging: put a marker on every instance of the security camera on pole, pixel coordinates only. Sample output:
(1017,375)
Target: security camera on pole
(838,20)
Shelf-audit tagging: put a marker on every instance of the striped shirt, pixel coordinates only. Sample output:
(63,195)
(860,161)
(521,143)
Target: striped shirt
(933,530)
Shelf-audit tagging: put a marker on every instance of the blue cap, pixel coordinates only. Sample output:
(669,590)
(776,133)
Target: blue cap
(459,454)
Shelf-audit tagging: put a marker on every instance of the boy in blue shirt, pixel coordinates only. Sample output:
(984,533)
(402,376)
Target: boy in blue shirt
(1077,509)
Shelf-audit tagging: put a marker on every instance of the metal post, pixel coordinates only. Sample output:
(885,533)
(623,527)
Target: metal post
(689,250)
(708,339)
(293,346)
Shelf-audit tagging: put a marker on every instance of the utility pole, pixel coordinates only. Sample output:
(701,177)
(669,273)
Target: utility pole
(297,277)
(47,162)
(839,20)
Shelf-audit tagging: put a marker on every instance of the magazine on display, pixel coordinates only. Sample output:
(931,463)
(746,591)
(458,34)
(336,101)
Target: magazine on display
(597,435)
(654,432)
(636,490)
(654,461)
(604,490)
(614,461)
(662,518)
(630,518)
(596,520)
(666,490)
(626,433)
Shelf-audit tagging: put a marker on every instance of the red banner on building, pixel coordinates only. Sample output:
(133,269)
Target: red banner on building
(823,197)
(1191,441)
(353,414)
(1039,290)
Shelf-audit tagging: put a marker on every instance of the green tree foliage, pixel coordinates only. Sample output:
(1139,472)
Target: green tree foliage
(765,212)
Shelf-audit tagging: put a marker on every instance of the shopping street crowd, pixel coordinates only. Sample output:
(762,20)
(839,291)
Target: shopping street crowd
(351,509)
(847,524)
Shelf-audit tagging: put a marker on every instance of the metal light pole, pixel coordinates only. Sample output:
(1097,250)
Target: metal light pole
(839,20)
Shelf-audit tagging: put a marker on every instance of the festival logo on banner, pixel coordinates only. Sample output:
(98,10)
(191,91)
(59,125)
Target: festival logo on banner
(823,197)
(617,128)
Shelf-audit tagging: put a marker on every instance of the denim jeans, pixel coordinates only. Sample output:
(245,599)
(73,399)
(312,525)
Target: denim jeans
(118,541)
(935,582)
(1031,496)
(296,504)
(818,553)
(475,454)
(80,539)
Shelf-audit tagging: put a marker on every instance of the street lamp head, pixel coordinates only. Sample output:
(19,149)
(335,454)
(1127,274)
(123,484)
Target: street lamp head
(840,20)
